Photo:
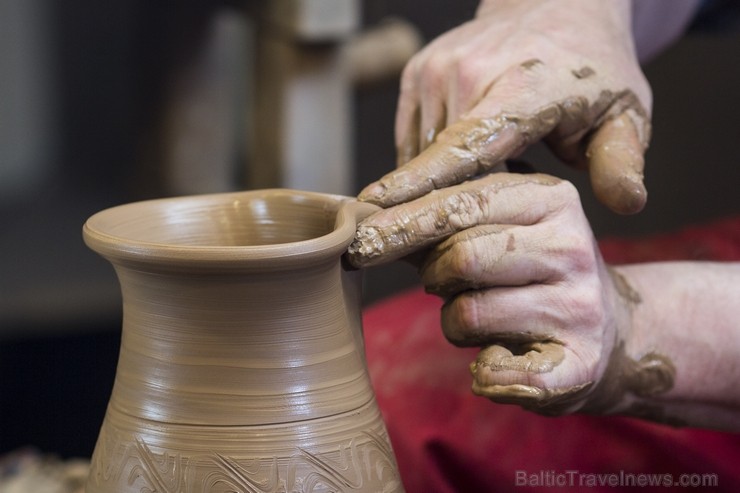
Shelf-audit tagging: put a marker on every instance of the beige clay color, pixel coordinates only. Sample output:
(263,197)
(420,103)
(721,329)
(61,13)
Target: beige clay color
(242,362)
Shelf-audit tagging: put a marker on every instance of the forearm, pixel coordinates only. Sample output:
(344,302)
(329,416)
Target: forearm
(485,6)
(685,315)
(655,24)
(612,11)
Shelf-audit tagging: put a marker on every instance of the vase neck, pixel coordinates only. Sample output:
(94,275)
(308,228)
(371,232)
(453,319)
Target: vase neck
(241,349)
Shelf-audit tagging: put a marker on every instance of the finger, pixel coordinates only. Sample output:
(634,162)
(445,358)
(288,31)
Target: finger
(501,198)
(460,152)
(477,143)
(504,255)
(408,146)
(408,114)
(534,312)
(461,262)
(432,122)
(432,83)
(616,161)
(566,139)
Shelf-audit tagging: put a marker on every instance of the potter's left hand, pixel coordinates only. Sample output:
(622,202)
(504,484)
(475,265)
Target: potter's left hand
(521,273)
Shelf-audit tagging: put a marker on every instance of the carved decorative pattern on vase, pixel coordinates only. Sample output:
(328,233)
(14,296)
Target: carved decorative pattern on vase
(364,463)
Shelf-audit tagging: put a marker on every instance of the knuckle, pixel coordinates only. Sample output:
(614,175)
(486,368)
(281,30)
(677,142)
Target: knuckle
(462,262)
(573,244)
(463,209)
(568,193)
(580,306)
(578,253)
(570,252)
(468,73)
(588,308)
(461,319)
(432,73)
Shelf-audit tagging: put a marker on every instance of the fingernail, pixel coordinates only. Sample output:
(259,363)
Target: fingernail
(373,192)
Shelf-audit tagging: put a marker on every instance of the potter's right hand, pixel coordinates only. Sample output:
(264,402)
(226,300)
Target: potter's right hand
(524,70)
(515,259)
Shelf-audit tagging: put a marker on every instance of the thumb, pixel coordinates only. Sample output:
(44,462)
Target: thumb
(616,161)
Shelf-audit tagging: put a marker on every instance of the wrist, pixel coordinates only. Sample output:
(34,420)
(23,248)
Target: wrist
(608,20)
(632,376)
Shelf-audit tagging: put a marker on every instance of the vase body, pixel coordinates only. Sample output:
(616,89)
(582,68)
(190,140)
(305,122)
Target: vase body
(242,365)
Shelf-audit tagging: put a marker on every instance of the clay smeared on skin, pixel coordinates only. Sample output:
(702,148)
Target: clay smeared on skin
(440,258)
(583,72)
(530,357)
(531,63)
(474,147)
(533,358)
(624,289)
(548,402)
(653,374)
(433,221)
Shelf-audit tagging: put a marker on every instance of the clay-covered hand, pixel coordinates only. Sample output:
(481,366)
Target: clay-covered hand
(522,71)
(516,261)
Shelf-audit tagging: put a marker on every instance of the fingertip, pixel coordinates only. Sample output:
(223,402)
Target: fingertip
(373,193)
(392,189)
(616,162)
(625,194)
(632,198)
(400,185)
(367,247)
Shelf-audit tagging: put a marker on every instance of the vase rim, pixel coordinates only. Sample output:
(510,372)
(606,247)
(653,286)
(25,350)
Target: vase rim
(102,231)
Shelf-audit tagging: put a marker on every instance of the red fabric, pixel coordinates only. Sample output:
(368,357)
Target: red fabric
(448,440)
(719,241)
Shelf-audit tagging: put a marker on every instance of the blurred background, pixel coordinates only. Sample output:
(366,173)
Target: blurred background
(103,103)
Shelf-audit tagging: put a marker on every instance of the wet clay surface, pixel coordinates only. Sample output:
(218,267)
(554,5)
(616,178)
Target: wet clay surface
(530,357)
(649,376)
(533,358)
(394,233)
(242,360)
(441,259)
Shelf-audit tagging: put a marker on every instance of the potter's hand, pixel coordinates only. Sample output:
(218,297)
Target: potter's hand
(560,70)
(521,273)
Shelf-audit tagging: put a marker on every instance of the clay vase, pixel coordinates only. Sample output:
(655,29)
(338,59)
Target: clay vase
(242,364)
